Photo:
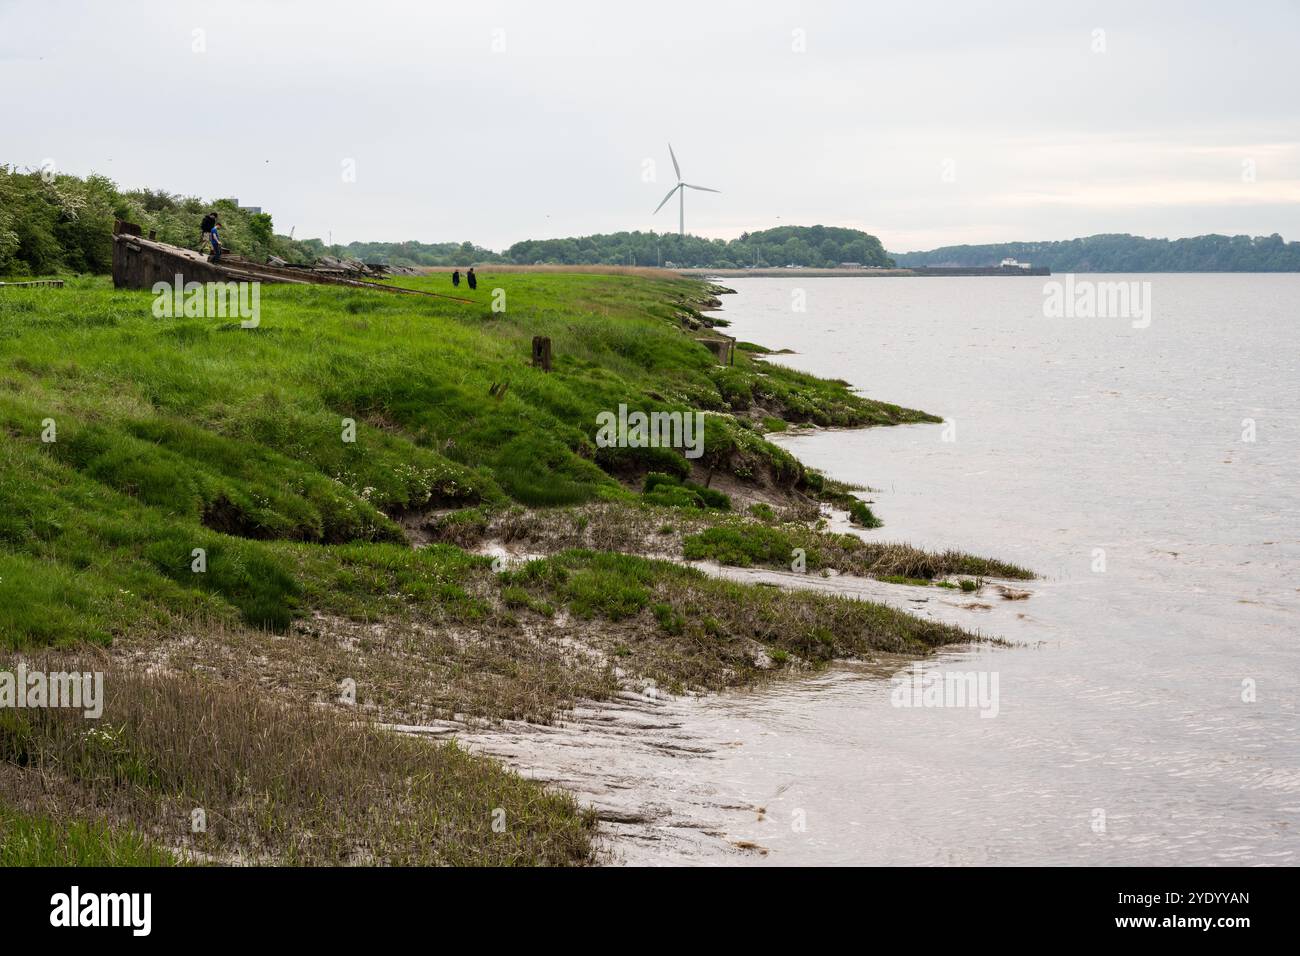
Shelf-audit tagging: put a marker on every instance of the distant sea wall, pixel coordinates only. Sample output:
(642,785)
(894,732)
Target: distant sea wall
(980,271)
(924,271)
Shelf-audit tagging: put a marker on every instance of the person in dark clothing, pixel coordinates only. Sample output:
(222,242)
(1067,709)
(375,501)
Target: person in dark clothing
(471,278)
(205,227)
(455,278)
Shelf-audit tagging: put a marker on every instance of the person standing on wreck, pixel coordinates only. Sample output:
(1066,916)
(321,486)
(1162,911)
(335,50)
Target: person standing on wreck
(471,278)
(214,237)
(205,229)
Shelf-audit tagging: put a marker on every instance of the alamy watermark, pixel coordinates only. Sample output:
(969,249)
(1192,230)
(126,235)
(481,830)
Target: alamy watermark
(76,690)
(1089,299)
(683,430)
(209,300)
(133,911)
(922,688)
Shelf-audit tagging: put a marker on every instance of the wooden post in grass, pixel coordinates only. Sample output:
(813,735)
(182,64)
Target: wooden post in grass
(542,353)
(723,347)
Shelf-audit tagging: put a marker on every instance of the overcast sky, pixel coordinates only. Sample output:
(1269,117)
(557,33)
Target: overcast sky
(925,123)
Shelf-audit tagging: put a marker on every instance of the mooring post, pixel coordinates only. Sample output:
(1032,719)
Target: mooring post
(542,353)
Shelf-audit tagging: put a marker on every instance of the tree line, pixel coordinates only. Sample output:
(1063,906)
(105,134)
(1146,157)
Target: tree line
(56,223)
(814,246)
(1126,253)
(811,246)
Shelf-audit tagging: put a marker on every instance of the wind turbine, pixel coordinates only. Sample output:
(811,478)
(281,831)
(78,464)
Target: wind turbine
(680,189)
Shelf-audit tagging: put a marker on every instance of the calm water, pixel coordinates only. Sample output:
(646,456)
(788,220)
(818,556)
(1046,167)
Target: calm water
(1069,436)
(1122,736)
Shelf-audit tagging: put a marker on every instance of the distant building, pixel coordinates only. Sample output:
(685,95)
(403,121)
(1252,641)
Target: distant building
(251,210)
(1009,263)
(850,265)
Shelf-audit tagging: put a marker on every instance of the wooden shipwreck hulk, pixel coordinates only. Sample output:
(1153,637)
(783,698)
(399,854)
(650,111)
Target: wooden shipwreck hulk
(140,263)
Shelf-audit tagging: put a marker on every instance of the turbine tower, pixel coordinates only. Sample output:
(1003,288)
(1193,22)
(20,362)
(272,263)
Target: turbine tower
(680,189)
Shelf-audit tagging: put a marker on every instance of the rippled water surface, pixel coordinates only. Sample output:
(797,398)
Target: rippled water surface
(1109,459)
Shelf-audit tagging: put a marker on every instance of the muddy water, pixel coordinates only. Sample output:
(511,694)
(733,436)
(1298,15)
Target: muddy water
(1149,712)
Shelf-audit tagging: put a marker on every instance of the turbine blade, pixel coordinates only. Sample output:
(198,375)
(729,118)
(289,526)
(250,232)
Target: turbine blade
(677,169)
(668,197)
(704,188)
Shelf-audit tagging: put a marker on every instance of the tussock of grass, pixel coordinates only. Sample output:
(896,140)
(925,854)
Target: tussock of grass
(860,513)
(903,579)
(33,839)
(671,491)
(741,546)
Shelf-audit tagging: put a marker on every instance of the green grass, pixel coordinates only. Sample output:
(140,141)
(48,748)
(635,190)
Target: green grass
(191,433)
(179,434)
(30,839)
(904,579)
(861,514)
(671,491)
(743,546)
(201,508)
(744,543)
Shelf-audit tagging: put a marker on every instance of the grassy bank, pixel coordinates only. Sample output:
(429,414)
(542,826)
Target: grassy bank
(170,435)
(229,514)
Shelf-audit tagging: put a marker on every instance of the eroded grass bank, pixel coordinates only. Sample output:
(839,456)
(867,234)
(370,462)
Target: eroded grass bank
(529,642)
(254,727)
(231,513)
(765,536)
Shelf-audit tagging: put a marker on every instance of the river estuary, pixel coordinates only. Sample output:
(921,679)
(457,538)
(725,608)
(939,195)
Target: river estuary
(1147,710)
